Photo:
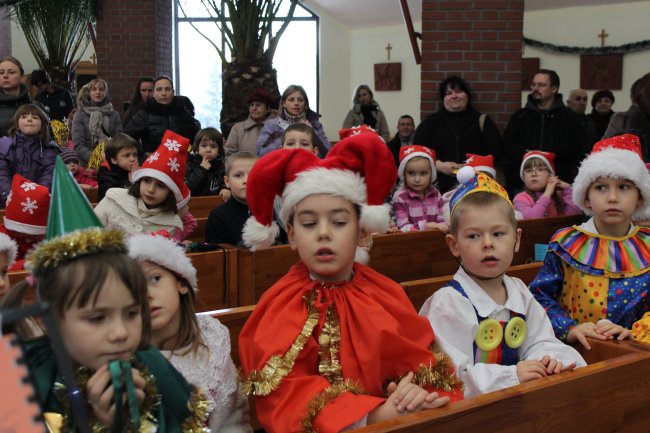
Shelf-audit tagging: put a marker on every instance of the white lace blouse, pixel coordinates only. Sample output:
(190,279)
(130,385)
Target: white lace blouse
(216,374)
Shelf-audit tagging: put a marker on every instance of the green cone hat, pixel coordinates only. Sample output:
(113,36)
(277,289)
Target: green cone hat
(70,209)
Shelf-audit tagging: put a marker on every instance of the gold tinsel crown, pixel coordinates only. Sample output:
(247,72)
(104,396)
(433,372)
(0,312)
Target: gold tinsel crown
(54,252)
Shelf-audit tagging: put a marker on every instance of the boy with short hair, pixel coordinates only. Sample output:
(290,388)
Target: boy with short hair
(300,136)
(334,345)
(225,223)
(497,334)
(121,154)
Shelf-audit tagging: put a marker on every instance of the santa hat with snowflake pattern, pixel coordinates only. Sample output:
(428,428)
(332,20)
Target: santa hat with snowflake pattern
(167,164)
(358,168)
(27,207)
(484,163)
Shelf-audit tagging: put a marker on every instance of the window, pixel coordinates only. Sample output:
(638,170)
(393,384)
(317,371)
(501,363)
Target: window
(198,66)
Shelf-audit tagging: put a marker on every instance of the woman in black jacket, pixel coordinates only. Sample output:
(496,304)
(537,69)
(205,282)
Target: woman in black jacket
(455,130)
(162,112)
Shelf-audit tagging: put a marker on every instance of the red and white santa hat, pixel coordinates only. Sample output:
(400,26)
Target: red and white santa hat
(356,130)
(167,164)
(407,153)
(27,207)
(9,247)
(548,158)
(164,252)
(358,168)
(484,163)
(619,157)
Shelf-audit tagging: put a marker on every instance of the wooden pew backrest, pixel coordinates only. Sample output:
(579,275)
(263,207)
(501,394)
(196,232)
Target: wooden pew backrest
(419,291)
(217,273)
(200,207)
(610,395)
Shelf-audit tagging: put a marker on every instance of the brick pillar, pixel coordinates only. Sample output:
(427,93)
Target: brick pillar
(5,32)
(134,39)
(479,40)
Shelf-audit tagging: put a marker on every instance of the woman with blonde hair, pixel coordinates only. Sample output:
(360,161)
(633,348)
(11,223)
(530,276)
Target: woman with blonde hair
(365,111)
(95,120)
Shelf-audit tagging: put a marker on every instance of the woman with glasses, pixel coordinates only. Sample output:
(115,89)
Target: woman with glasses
(455,130)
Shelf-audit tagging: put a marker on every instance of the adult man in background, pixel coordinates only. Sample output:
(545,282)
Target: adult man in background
(56,100)
(545,123)
(404,136)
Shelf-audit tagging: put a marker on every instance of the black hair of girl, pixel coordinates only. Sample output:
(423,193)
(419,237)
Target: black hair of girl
(33,110)
(211,134)
(454,82)
(136,98)
(81,280)
(168,205)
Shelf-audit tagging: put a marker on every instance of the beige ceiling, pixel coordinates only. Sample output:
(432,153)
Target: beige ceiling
(379,13)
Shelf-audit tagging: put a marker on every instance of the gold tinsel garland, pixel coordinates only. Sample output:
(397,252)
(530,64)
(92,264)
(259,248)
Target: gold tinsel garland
(60,132)
(147,407)
(68,247)
(439,375)
(199,407)
(263,382)
(329,342)
(325,397)
(97,156)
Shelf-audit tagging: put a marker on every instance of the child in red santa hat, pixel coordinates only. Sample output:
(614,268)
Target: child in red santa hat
(25,217)
(595,279)
(157,200)
(334,345)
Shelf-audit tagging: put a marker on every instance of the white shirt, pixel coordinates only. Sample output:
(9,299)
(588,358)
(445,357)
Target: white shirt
(455,324)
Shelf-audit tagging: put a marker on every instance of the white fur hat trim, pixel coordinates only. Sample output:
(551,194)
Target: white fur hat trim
(616,163)
(8,246)
(256,235)
(410,156)
(341,183)
(165,253)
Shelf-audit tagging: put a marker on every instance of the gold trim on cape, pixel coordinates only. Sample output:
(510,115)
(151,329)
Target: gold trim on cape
(325,397)
(263,382)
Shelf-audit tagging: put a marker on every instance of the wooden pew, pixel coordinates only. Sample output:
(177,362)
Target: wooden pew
(201,206)
(399,256)
(217,278)
(419,291)
(259,270)
(611,394)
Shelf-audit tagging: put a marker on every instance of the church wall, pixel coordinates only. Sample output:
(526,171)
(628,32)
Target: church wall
(580,26)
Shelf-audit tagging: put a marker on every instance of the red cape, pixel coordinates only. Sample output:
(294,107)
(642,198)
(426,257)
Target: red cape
(382,339)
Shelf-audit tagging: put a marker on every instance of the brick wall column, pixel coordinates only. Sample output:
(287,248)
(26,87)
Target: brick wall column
(479,40)
(5,32)
(134,39)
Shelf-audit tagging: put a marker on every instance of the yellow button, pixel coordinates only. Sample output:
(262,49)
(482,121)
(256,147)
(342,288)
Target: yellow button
(489,335)
(515,332)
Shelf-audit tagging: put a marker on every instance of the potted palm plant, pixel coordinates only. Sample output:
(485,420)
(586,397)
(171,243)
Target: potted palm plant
(247,61)
(57,32)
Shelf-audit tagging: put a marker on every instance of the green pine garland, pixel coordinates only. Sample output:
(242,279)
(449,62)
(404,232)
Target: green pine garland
(621,49)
